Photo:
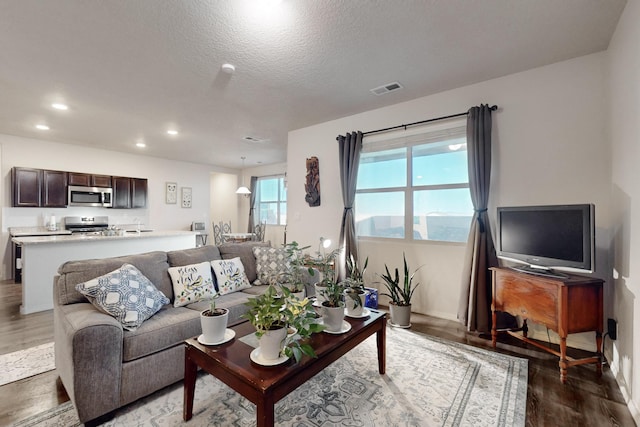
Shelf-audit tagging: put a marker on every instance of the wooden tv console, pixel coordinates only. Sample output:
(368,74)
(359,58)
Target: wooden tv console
(565,306)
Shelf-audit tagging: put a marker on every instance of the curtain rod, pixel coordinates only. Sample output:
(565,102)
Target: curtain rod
(493,108)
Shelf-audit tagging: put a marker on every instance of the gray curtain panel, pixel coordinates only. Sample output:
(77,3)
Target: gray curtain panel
(252,203)
(475,299)
(349,147)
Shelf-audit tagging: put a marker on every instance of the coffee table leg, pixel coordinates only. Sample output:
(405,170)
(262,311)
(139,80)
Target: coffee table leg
(265,412)
(381,336)
(190,371)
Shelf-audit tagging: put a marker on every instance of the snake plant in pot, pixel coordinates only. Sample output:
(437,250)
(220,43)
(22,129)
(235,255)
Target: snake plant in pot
(400,294)
(355,292)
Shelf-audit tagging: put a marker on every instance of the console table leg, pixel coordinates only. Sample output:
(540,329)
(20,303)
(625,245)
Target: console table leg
(190,372)
(599,351)
(494,331)
(563,360)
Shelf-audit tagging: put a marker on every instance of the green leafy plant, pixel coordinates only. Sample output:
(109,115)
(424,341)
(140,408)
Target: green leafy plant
(295,277)
(400,294)
(212,310)
(273,310)
(355,280)
(333,291)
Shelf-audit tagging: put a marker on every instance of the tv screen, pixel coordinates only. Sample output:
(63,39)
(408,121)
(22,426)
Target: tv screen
(548,237)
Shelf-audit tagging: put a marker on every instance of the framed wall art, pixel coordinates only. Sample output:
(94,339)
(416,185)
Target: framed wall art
(171,193)
(186,197)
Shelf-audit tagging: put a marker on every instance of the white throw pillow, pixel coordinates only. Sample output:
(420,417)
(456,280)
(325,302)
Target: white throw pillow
(192,283)
(125,294)
(230,275)
(270,262)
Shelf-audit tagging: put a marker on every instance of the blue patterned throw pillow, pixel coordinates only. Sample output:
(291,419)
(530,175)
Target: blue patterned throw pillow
(125,294)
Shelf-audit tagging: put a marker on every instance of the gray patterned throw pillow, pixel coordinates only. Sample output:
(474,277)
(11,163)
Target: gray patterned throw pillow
(125,294)
(270,262)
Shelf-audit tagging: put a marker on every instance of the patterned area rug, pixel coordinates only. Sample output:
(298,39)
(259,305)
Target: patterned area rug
(429,382)
(26,363)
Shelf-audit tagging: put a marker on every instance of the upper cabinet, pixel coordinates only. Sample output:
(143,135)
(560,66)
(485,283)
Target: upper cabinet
(89,180)
(129,192)
(39,188)
(48,188)
(27,187)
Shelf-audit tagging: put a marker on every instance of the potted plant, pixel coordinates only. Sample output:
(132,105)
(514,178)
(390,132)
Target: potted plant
(355,292)
(272,314)
(295,278)
(331,292)
(214,323)
(400,294)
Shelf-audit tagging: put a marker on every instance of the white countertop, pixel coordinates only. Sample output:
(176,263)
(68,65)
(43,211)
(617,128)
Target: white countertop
(35,231)
(47,239)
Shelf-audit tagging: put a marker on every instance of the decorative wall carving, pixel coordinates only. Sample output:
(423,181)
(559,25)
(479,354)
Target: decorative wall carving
(312,184)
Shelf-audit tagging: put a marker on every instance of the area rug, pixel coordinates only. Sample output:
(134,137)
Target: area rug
(26,363)
(428,382)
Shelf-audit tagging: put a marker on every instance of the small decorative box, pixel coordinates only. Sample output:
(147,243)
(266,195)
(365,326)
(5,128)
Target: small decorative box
(371,300)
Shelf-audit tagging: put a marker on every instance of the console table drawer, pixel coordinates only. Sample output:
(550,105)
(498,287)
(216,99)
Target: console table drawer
(538,303)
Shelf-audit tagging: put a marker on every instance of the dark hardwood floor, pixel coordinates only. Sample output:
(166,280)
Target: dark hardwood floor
(585,400)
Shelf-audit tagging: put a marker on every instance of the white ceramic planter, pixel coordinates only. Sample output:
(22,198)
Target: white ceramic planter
(350,304)
(271,343)
(332,318)
(400,315)
(214,327)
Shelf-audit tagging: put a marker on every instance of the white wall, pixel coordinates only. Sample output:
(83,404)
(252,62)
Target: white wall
(549,147)
(624,107)
(158,215)
(224,206)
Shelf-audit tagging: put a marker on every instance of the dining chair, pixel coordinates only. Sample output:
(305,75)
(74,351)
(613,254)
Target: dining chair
(217,234)
(258,231)
(226,227)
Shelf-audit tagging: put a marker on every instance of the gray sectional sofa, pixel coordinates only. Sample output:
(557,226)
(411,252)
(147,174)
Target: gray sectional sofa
(103,366)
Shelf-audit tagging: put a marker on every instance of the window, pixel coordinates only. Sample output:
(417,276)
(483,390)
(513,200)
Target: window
(271,200)
(415,187)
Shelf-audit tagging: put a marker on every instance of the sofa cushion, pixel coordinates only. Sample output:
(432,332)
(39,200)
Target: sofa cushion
(245,252)
(234,302)
(169,327)
(125,294)
(152,264)
(191,283)
(230,275)
(270,262)
(193,256)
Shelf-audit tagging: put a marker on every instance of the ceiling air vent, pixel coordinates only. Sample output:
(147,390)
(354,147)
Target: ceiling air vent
(389,87)
(253,139)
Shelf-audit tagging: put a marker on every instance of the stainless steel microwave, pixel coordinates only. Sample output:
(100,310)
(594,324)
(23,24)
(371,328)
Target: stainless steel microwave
(90,196)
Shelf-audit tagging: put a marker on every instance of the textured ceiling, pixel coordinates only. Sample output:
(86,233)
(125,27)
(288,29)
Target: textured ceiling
(129,70)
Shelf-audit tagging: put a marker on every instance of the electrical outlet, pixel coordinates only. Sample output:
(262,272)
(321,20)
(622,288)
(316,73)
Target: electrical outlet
(612,329)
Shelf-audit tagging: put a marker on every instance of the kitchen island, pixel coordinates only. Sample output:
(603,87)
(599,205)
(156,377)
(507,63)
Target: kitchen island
(42,255)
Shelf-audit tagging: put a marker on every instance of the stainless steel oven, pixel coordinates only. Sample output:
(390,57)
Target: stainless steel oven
(90,196)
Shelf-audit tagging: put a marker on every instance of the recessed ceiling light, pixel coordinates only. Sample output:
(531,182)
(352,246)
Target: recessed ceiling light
(228,68)
(141,144)
(172,132)
(59,106)
(42,127)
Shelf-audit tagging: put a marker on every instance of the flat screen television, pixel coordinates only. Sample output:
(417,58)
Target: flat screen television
(547,238)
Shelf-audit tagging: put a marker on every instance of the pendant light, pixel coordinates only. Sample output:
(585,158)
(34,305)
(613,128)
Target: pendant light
(242,189)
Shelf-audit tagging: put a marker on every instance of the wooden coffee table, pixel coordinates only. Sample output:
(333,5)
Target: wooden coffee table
(266,385)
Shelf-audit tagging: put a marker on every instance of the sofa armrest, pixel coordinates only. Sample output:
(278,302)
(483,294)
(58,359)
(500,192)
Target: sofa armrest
(88,357)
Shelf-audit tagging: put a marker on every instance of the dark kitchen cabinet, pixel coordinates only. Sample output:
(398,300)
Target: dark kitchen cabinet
(138,193)
(89,180)
(27,186)
(129,192)
(54,189)
(39,188)
(121,192)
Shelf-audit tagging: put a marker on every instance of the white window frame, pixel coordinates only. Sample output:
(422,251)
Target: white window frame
(409,139)
(282,199)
